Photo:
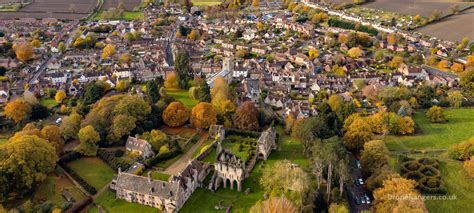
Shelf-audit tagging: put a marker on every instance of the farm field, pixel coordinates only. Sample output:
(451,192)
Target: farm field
(441,136)
(64,9)
(127,15)
(417,7)
(93,170)
(203,199)
(453,28)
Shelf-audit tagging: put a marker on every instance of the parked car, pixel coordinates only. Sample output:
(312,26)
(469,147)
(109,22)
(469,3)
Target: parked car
(367,198)
(357,163)
(59,120)
(357,200)
(361,182)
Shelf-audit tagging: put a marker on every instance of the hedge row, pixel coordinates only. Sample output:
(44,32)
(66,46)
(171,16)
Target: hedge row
(161,157)
(71,157)
(333,22)
(80,205)
(114,162)
(242,133)
(425,172)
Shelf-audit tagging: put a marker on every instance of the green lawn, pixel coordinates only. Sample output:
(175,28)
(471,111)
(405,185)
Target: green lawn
(127,15)
(93,170)
(460,127)
(441,136)
(48,103)
(3,140)
(157,175)
(458,184)
(204,200)
(205,2)
(52,188)
(108,201)
(203,147)
(182,95)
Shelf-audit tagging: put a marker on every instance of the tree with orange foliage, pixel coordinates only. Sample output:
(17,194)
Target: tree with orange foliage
(203,115)
(274,204)
(175,114)
(17,110)
(457,67)
(24,51)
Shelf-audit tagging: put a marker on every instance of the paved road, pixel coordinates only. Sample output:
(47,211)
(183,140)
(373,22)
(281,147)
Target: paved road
(359,191)
(180,164)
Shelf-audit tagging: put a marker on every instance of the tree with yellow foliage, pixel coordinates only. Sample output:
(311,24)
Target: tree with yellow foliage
(36,43)
(24,51)
(109,50)
(354,52)
(17,110)
(273,205)
(457,67)
(396,62)
(172,81)
(175,114)
(194,35)
(469,167)
(60,96)
(357,134)
(255,3)
(122,85)
(390,198)
(443,64)
(313,53)
(124,58)
(203,115)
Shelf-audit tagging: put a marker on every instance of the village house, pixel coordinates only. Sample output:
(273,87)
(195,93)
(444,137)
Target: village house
(142,147)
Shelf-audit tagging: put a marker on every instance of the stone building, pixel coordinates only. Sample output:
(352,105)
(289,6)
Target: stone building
(168,196)
(135,144)
(266,143)
(229,169)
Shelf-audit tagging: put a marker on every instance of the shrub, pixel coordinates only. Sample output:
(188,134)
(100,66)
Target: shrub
(431,185)
(413,175)
(161,157)
(119,153)
(113,161)
(411,166)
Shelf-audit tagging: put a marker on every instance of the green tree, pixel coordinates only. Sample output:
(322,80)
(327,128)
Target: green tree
(93,93)
(455,98)
(374,156)
(25,161)
(121,125)
(71,125)
(282,178)
(183,68)
(88,138)
(204,93)
(153,90)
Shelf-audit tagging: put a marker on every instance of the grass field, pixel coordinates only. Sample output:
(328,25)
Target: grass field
(48,103)
(203,147)
(204,200)
(127,15)
(157,175)
(437,136)
(205,2)
(93,170)
(108,202)
(52,188)
(182,95)
(442,136)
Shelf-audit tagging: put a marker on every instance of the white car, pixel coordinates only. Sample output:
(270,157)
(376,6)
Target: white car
(59,120)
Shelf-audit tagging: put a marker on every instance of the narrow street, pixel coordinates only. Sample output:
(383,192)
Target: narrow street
(355,192)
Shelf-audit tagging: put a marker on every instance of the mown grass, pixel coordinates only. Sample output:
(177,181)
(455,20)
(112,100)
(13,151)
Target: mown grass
(93,170)
(182,96)
(48,103)
(288,149)
(110,203)
(206,2)
(460,127)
